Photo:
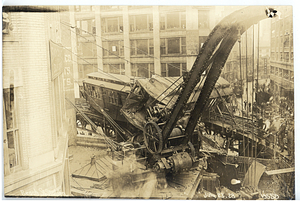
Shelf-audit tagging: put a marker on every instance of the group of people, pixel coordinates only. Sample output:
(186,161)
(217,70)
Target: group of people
(278,125)
(274,117)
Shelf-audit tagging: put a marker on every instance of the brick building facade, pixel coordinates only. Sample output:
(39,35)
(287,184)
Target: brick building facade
(37,120)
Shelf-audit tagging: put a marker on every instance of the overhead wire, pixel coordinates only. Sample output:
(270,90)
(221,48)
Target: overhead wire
(102,37)
(256,93)
(242,108)
(173,83)
(95,64)
(92,64)
(111,52)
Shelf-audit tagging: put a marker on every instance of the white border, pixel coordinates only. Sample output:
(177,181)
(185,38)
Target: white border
(296,24)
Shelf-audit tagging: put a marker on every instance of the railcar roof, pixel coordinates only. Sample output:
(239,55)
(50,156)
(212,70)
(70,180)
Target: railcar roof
(116,78)
(117,87)
(157,85)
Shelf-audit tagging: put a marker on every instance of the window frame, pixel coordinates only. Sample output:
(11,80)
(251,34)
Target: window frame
(134,71)
(182,48)
(149,23)
(91,27)
(104,25)
(92,50)
(165,69)
(14,129)
(208,16)
(121,66)
(164,23)
(107,51)
(134,50)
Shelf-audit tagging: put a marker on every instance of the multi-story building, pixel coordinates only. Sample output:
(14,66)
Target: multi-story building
(37,119)
(246,52)
(282,54)
(140,40)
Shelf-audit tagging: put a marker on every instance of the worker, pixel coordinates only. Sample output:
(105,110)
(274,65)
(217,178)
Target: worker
(260,124)
(281,135)
(290,141)
(249,106)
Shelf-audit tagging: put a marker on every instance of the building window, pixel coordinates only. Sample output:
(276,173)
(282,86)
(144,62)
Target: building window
(85,69)
(86,27)
(142,70)
(172,46)
(141,23)
(278,42)
(292,56)
(12,132)
(112,25)
(292,75)
(202,40)
(87,49)
(276,71)
(286,41)
(281,41)
(273,55)
(272,70)
(281,56)
(172,69)
(110,7)
(203,19)
(113,48)
(86,8)
(175,20)
(114,68)
(280,74)
(151,47)
(141,47)
(286,56)
(286,74)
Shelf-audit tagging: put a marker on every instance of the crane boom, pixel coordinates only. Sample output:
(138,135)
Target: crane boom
(215,51)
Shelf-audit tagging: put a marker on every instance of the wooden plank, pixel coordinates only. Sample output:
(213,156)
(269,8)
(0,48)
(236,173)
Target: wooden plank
(280,171)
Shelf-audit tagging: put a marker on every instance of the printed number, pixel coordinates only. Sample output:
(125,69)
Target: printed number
(270,196)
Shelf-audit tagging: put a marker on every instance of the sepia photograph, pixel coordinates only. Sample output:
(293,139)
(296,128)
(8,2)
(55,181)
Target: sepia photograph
(148,102)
